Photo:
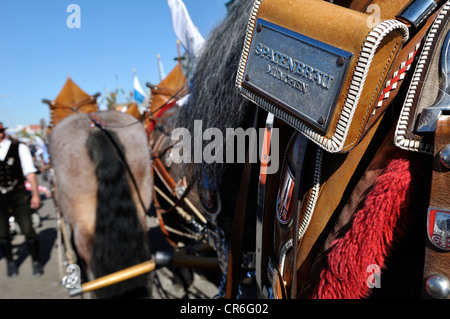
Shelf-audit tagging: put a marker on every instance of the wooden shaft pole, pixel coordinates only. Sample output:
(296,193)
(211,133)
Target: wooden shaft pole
(119,276)
(162,259)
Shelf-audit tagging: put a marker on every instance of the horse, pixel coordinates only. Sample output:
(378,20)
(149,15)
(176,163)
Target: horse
(104,184)
(214,101)
(322,231)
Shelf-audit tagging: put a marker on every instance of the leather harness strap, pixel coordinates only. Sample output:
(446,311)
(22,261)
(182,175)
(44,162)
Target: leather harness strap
(357,5)
(405,59)
(360,5)
(75,106)
(299,167)
(172,186)
(237,232)
(262,188)
(441,174)
(437,262)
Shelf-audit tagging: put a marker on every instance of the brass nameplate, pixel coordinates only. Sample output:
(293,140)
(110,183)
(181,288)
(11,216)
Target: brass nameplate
(301,75)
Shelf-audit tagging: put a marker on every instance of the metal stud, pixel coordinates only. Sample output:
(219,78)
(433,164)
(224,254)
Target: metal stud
(437,286)
(445,156)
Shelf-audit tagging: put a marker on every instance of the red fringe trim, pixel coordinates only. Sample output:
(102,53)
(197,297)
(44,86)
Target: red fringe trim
(371,236)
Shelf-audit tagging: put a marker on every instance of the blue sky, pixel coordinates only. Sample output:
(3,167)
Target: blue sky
(38,51)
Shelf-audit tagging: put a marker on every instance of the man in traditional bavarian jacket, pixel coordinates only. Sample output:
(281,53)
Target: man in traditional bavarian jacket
(16,164)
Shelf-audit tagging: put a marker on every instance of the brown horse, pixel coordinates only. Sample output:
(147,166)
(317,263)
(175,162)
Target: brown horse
(104,189)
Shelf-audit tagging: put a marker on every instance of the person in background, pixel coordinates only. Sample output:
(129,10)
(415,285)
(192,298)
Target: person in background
(16,166)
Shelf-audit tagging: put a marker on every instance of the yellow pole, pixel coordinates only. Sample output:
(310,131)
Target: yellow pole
(163,259)
(114,278)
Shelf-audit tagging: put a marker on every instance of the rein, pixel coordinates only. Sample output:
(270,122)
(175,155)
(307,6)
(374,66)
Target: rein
(158,112)
(157,91)
(76,106)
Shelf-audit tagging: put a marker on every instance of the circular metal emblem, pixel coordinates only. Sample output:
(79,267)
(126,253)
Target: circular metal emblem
(445,156)
(438,228)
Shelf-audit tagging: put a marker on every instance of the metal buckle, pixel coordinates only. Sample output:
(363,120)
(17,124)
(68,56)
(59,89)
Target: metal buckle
(73,278)
(301,75)
(248,260)
(430,115)
(417,11)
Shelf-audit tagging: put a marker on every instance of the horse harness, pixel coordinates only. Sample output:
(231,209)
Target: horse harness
(58,110)
(177,195)
(316,178)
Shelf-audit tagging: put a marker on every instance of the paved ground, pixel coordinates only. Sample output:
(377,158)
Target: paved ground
(166,284)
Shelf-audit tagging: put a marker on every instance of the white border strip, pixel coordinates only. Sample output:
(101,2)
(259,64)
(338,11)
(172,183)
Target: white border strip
(400,138)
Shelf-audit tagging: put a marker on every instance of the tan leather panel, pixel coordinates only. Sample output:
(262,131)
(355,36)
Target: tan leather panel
(323,21)
(338,170)
(390,9)
(381,65)
(348,30)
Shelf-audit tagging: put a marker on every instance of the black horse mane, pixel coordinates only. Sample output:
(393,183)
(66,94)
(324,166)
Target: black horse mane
(214,99)
(119,237)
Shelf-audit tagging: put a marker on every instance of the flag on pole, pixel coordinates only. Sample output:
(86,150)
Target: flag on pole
(184,28)
(139,94)
(162,75)
(42,149)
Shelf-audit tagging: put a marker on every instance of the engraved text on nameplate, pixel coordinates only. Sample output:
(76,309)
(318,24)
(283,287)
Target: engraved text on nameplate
(296,73)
